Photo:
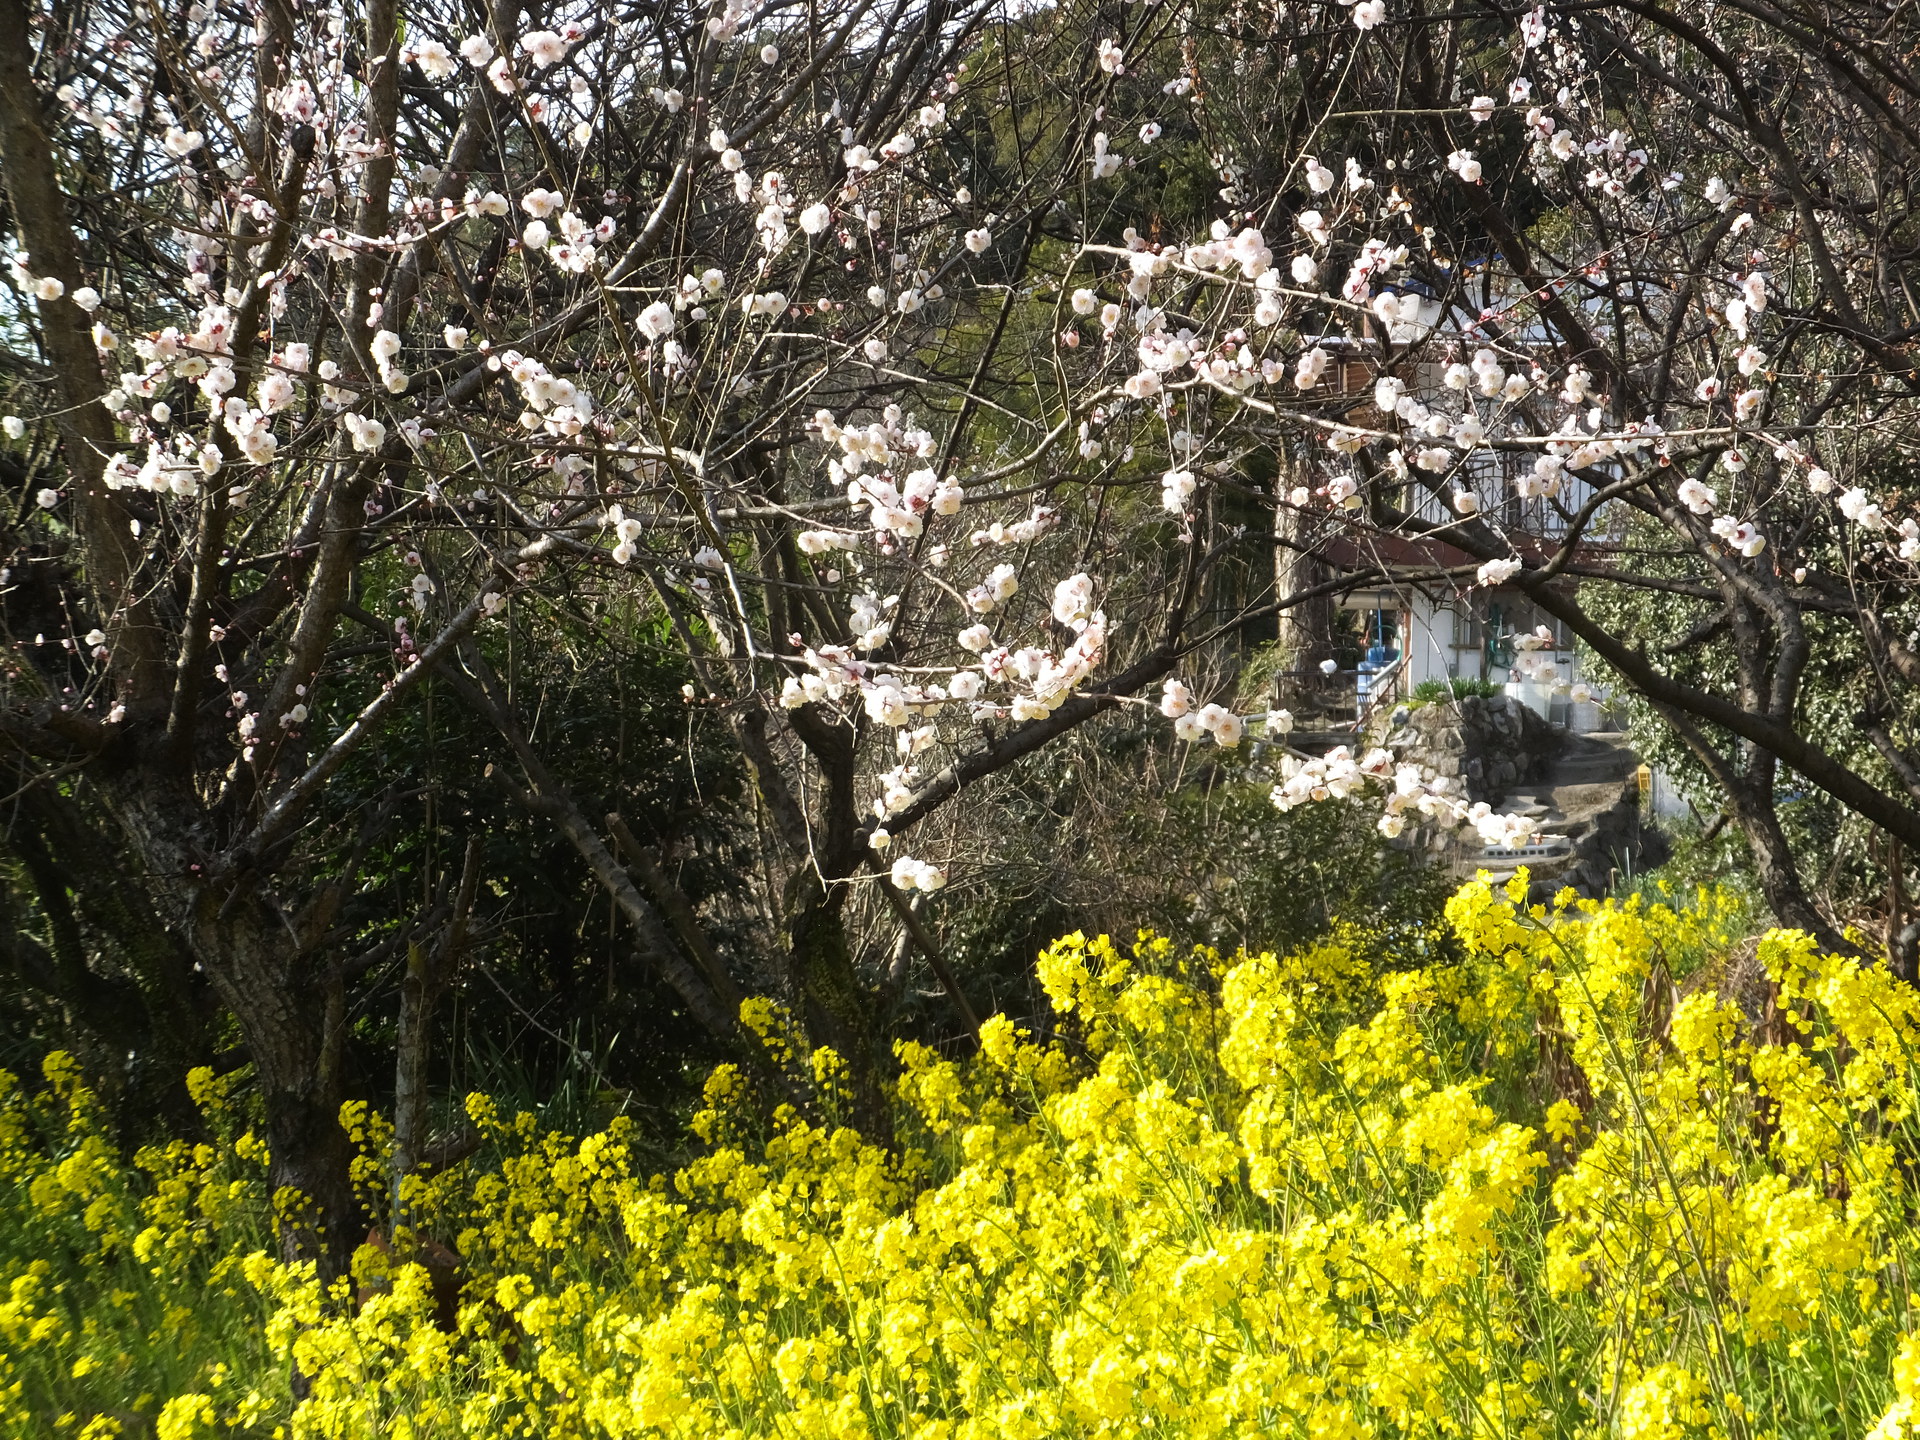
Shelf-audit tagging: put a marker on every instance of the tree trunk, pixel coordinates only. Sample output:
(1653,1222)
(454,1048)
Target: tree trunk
(316,1212)
(428,974)
(1753,810)
(417,993)
(835,1008)
(1303,632)
(291,1014)
(290,1005)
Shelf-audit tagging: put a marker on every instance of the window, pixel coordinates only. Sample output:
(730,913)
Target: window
(1466,629)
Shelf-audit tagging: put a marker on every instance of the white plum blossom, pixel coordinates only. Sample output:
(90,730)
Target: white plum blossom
(367,433)
(1859,507)
(1742,535)
(1697,497)
(1073,600)
(436,62)
(910,874)
(276,391)
(1176,490)
(544,48)
(819,542)
(656,321)
(1104,162)
(1226,728)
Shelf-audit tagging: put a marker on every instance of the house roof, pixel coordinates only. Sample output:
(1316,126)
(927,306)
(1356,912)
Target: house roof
(1414,557)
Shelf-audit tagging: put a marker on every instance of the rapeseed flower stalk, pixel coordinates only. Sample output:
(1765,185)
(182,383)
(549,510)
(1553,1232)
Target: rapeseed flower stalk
(1521,1188)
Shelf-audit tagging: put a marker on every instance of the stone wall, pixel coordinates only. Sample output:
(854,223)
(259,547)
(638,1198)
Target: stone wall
(1488,746)
(1617,843)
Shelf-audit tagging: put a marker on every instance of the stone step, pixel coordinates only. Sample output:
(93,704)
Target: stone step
(1551,847)
(1581,772)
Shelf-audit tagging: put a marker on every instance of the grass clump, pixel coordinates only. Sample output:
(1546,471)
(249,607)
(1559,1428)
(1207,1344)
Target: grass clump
(1438,692)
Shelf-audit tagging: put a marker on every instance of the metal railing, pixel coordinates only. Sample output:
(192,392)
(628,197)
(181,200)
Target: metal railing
(1325,700)
(1375,688)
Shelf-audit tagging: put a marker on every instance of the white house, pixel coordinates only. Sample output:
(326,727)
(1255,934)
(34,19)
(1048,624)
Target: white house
(1423,629)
